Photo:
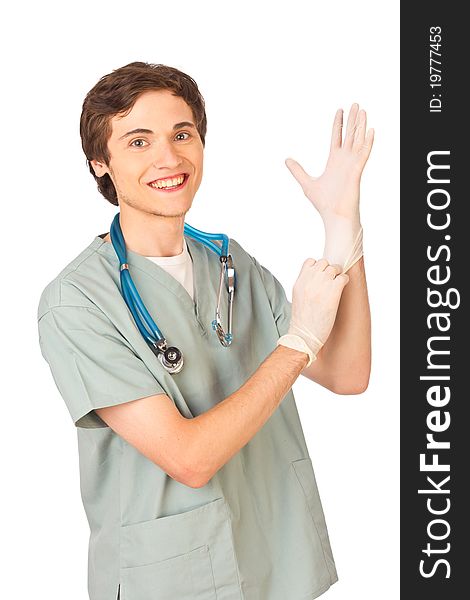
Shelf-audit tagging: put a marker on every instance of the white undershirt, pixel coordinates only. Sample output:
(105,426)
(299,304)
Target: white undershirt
(179,266)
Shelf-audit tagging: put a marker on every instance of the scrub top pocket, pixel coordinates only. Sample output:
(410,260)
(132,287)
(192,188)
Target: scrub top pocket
(186,556)
(185,577)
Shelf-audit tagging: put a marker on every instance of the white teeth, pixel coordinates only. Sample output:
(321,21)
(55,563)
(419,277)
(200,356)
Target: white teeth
(168,182)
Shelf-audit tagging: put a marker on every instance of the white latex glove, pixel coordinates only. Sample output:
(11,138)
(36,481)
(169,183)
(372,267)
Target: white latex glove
(315,301)
(335,194)
(343,241)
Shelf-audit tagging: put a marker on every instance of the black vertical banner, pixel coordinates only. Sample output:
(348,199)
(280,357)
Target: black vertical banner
(435,324)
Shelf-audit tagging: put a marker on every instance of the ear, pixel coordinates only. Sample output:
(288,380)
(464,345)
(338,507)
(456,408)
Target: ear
(99,168)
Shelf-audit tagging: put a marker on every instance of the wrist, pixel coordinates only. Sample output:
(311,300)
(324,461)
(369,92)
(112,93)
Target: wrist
(351,219)
(295,342)
(300,357)
(343,241)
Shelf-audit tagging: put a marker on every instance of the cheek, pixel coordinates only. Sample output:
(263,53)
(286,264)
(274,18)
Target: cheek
(198,178)
(200,168)
(129,171)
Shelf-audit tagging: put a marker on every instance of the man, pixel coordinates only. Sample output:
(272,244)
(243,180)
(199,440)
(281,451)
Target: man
(198,484)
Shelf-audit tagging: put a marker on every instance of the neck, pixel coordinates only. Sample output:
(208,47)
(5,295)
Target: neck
(151,235)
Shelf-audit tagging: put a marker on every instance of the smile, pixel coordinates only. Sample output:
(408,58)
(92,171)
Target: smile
(171,184)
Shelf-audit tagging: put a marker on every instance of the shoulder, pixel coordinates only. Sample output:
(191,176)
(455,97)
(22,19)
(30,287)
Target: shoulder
(258,275)
(250,262)
(66,288)
(240,255)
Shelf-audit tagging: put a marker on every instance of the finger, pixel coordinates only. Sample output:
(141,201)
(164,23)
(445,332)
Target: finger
(297,171)
(321,264)
(308,262)
(360,130)
(342,279)
(334,270)
(337,130)
(367,145)
(351,126)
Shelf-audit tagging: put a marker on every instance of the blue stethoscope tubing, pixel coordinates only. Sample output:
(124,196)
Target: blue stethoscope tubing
(169,356)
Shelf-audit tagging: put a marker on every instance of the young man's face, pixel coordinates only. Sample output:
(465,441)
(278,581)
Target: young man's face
(171,148)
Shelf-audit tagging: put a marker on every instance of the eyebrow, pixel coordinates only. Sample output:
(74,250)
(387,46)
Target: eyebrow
(142,130)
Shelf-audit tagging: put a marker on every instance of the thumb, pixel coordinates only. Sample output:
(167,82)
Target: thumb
(297,171)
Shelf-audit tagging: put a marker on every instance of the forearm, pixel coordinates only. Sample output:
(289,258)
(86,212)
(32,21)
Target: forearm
(347,351)
(219,433)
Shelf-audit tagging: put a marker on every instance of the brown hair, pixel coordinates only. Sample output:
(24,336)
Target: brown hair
(116,93)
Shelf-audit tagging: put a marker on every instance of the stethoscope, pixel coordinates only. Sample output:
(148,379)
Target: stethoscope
(169,356)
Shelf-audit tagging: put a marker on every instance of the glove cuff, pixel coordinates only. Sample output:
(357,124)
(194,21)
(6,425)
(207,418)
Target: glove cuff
(343,242)
(295,342)
(356,252)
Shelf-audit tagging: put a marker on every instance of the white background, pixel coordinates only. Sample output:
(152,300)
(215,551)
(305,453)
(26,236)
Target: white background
(272,75)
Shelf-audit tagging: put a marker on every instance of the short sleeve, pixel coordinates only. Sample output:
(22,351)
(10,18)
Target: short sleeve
(280,305)
(92,364)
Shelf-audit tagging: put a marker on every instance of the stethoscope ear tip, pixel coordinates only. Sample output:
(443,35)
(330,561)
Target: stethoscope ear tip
(224,338)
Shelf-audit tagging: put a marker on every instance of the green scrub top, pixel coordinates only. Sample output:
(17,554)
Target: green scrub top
(256,530)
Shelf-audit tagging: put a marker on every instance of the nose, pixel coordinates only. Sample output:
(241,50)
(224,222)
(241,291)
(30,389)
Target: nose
(165,155)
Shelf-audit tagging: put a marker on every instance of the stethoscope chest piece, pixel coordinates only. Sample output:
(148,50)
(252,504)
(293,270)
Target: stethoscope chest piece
(170,358)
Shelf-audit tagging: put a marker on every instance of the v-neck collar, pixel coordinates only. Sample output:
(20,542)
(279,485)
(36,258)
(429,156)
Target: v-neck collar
(199,257)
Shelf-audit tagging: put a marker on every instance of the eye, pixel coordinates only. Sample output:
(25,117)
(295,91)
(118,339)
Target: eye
(183,133)
(138,140)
